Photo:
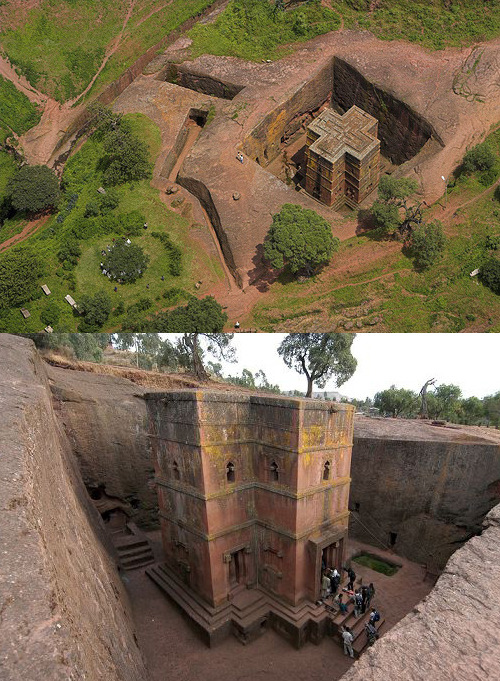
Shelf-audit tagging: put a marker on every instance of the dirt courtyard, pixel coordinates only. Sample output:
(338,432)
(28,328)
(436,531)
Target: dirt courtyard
(172,649)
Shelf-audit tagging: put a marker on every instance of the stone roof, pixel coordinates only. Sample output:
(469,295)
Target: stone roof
(341,134)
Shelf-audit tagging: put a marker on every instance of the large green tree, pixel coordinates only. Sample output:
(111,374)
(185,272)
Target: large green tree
(34,189)
(20,269)
(125,262)
(127,157)
(191,351)
(397,402)
(427,244)
(319,356)
(392,210)
(95,310)
(299,239)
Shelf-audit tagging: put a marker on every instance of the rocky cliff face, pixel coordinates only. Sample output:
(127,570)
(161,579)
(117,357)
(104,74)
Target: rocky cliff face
(422,489)
(453,634)
(105,420)
(64,613)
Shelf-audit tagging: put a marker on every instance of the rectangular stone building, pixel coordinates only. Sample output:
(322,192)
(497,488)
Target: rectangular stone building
(342,157)
(253,496)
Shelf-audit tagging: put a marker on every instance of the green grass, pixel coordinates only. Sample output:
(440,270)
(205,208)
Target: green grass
(7,169)
(376,564)
(61,44)
(17,113)
(83,177)
(251,29)
(427,22)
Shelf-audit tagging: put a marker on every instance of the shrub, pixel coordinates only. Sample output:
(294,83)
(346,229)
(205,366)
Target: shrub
(174,253)
(51,313)
(19,272)
(428,244)
(490,274)
(481,157)
(34,189)
(127,157)
(95,310)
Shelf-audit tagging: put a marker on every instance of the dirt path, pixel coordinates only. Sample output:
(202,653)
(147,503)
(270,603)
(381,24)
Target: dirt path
(7,71)
(451,206)
(27,231)
(114,46)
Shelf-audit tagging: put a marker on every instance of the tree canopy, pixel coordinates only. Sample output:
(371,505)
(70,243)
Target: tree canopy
(490,274)
(125,262)
(34,189)
(320,356)
(299,239)
(397,402)
(95,310)
(199,315)
(20,269)
(427,244)
(391,210)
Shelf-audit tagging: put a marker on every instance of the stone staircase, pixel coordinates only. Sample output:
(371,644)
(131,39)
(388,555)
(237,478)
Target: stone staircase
(247,614)
(133,548)
(357,626)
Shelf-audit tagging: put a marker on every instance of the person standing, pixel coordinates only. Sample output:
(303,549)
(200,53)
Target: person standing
(348,638)
(325,586)
(352,577)
(340,602)
(371,594)
(358,603)
(374,616)
(364,596)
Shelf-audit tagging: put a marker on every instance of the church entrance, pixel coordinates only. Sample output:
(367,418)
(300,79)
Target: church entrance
(332,555)
(237,569)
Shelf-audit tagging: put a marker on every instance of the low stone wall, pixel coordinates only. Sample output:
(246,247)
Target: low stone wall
(453,634)
(65,612)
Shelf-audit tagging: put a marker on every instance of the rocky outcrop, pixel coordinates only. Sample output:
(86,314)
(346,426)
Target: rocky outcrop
(105,420)
(453,634)
(64,612)
(422,489)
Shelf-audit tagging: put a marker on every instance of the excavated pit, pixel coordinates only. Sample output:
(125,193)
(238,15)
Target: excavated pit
(278,142)
(181,75)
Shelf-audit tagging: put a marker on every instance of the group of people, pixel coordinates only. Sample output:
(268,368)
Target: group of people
(361,598)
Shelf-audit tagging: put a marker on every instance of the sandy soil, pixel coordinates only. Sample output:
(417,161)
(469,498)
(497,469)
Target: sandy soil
(173,650)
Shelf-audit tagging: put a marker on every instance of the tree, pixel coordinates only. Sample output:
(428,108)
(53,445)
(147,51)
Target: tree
(127,157)
(299,239)
(391,210)
(427,244)
(397,402)
(472,411)
(481,157)
(95,310)
(319,356)
(424,406)
(125,262)
(51,313)
(34,189)
(20,269)
(490,274)
(445,402)
(198,315)
(86,346)
(492,409)
(190,351)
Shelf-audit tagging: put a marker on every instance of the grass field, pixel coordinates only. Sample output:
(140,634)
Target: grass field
(387,293)
(61,43)
(82,178)
(17,113)
(7,169)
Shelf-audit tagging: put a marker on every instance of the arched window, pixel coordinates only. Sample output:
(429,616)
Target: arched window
(274,471)
(230,472)
(175,468)
(326,471)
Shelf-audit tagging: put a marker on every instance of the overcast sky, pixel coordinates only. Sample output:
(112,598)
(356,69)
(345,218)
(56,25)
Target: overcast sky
(469,360)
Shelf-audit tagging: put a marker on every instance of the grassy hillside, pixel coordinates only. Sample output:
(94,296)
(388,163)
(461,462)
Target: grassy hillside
(17,113)
(59,44)
(138,201)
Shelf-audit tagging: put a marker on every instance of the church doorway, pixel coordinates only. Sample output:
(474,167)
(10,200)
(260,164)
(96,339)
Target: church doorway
(237,569)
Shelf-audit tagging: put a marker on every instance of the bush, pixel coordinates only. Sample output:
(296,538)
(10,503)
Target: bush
(34,189)
(205,315)
(51,313)
(127,157)
(481,157)
(95,310)
(490,274)
(125,262)
(428,244)
(174,253)
(19,272)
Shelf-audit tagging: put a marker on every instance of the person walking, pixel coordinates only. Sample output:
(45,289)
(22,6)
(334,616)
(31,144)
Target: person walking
(371,594)
(352,577)
(348,639)
(358,603)
(335,580)
(364,595)
(374,616)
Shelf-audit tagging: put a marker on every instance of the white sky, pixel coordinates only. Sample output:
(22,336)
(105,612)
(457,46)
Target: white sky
(469,360)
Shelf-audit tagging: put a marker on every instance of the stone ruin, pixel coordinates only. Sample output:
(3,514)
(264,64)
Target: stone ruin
(253,497)
(342,157)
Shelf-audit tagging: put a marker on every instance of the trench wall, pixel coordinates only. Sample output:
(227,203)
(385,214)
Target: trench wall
(105,420)
(264,142)
(65,612)
(432,495)
(453,634)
